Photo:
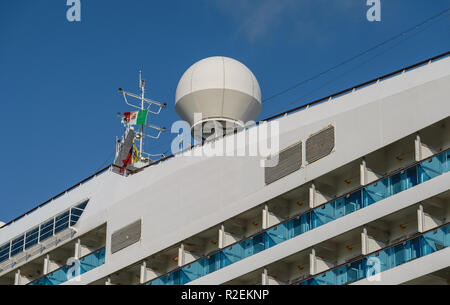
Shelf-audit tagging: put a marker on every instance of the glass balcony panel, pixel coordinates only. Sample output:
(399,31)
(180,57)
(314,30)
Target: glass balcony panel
(411,177)
(75,214)
(433,241)
(327,278)
(376,191)
(195,270)
(31,238)
(295,225)
(400,253)
(353,202)
(431,168)
(340,207)
(163,280)
(213,262)
(232,254)
(341,275)
(258,242)
(396,183)
(414,245)
(17,245)
(4,252)
(180,277)
(92,261)
(323,214)
(446,230)
(46,230)
(447,160)
(62,222)
(355,271)
(277,234)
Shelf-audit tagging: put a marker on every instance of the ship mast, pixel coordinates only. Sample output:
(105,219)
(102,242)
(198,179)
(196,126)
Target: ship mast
(150,107)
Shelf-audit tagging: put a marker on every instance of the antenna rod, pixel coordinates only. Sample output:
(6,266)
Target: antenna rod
(142,85)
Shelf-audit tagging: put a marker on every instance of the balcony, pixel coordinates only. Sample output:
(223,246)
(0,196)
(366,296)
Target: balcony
(360,198)
(381,260)
(70,272)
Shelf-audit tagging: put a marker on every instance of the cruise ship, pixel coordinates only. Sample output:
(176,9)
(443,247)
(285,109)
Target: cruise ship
(358,193)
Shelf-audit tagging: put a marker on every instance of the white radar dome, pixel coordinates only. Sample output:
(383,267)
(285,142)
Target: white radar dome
(222,89)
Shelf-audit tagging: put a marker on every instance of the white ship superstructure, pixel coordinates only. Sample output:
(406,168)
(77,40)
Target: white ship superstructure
(361,195)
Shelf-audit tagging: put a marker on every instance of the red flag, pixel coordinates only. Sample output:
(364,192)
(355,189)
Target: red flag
(127,116)
(127,160)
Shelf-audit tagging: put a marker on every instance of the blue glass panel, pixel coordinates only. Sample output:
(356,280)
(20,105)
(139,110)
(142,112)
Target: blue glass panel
(430,168)
(195,270)
(446,231)
(305,221)
(414,245)
(75,212)
(447,159)
(376,191)
(295,225)
(327,278)
(355,271)
(31,238)
(340,207)
(4,252)
(384,257)
(82,206)
(433,241)
(63,274)
(411,177)
(341,275)
(213,262)
(396,183)
(258,242)
(232,254)
(46,230)
(277,234)
(323,214)
(400,254)
(62,222)
(163,280)
(353,202)
(182,278)
(17,245)
(57,277)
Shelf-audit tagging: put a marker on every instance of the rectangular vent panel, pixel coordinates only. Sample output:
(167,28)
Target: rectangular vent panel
(126,236)
(289,160)
(320,144)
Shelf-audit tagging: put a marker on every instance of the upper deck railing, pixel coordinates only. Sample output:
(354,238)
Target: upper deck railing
(318,101)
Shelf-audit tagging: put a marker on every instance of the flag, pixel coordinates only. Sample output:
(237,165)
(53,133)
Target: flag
(138,117)
(135,153)
(126,162)
(127,116)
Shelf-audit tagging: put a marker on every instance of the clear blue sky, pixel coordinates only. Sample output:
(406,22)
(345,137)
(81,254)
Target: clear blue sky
(59,80)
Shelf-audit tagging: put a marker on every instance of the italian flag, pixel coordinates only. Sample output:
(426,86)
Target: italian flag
(138,117)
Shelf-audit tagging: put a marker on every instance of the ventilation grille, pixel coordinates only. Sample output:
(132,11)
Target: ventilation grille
(320,145)
(289,161)
(126,236)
